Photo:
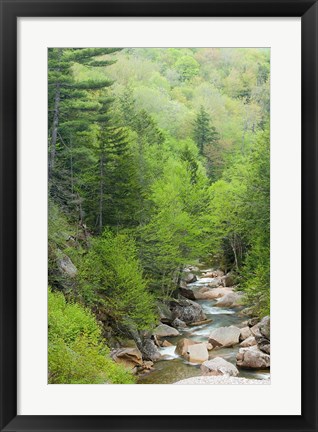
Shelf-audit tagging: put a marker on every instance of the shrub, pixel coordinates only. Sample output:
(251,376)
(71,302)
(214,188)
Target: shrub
(77,354)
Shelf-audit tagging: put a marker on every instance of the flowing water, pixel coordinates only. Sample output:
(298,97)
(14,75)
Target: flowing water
(172,368)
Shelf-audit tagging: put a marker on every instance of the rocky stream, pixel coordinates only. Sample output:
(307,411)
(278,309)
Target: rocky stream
(204,333)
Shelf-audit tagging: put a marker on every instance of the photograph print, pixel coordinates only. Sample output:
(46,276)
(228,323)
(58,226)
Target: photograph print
(159,216)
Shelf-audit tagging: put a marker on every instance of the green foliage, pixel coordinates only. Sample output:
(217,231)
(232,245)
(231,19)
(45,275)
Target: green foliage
(58,226)
(256,271)
(239,221)
(257,277)
(155,160)
(187,67)
(112,276)
(175,232)
(77,354)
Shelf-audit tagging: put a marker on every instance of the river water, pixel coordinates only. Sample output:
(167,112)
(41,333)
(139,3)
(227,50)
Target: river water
(172,368)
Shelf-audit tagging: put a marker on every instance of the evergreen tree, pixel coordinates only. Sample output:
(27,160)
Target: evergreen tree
(207,138)
(204,133)
(65,93)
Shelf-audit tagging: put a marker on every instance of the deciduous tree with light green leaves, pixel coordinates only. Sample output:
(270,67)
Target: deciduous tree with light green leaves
(111,275)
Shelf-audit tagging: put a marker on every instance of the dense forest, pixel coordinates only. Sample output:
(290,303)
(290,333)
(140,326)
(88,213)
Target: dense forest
(158,160)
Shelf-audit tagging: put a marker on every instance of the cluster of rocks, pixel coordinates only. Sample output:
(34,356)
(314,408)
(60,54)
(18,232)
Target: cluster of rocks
(254,340)
(174,315)
(255,351)
(252,336)
(217,287)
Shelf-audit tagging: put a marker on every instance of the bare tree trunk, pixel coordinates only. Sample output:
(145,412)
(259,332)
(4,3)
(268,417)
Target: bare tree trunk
(57,99)
(101,189)
(71,163)
(233,245)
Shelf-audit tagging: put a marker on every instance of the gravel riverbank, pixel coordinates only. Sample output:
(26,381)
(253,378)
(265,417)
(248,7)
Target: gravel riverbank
(219,380)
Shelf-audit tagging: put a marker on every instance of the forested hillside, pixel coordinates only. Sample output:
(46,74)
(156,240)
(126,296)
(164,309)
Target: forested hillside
(158,159)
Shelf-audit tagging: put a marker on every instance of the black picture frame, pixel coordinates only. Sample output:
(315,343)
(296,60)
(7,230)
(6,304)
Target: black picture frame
(10,11)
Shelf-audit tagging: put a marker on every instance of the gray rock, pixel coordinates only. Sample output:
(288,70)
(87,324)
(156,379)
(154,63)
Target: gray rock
(187,310)
(263,344)
(229,300)
(252,358)
(218,366)
(224,336)
(183,345)
(66,266)
(165,343)
(216,282)
(177,323)
(213,273)
(255,330)
(188,277)
(250,341)
(198,353)
(163,330)
(206,293)
(245,333)
(265,327)
(263,335)
(252,322)
(149,350)
(130,357)
(187,293)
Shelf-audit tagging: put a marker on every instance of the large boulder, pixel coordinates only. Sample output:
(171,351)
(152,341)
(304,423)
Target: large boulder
(213,273)
(183,345)
(263,344)
(229,300)
(265,327)
(166,344)
(187,293)
(129,357)
(218,366)
(215,282)
(261,328)
(252,358)
(255,329)
(165,313)
(245,333)
(206,293)
(178,324)
(187,310)
(252,322)
(263,335)
(188,277)
(198,353)
(66,266)
(250,341)
(224,336)
(163,330)
(208,274)
(149,350)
